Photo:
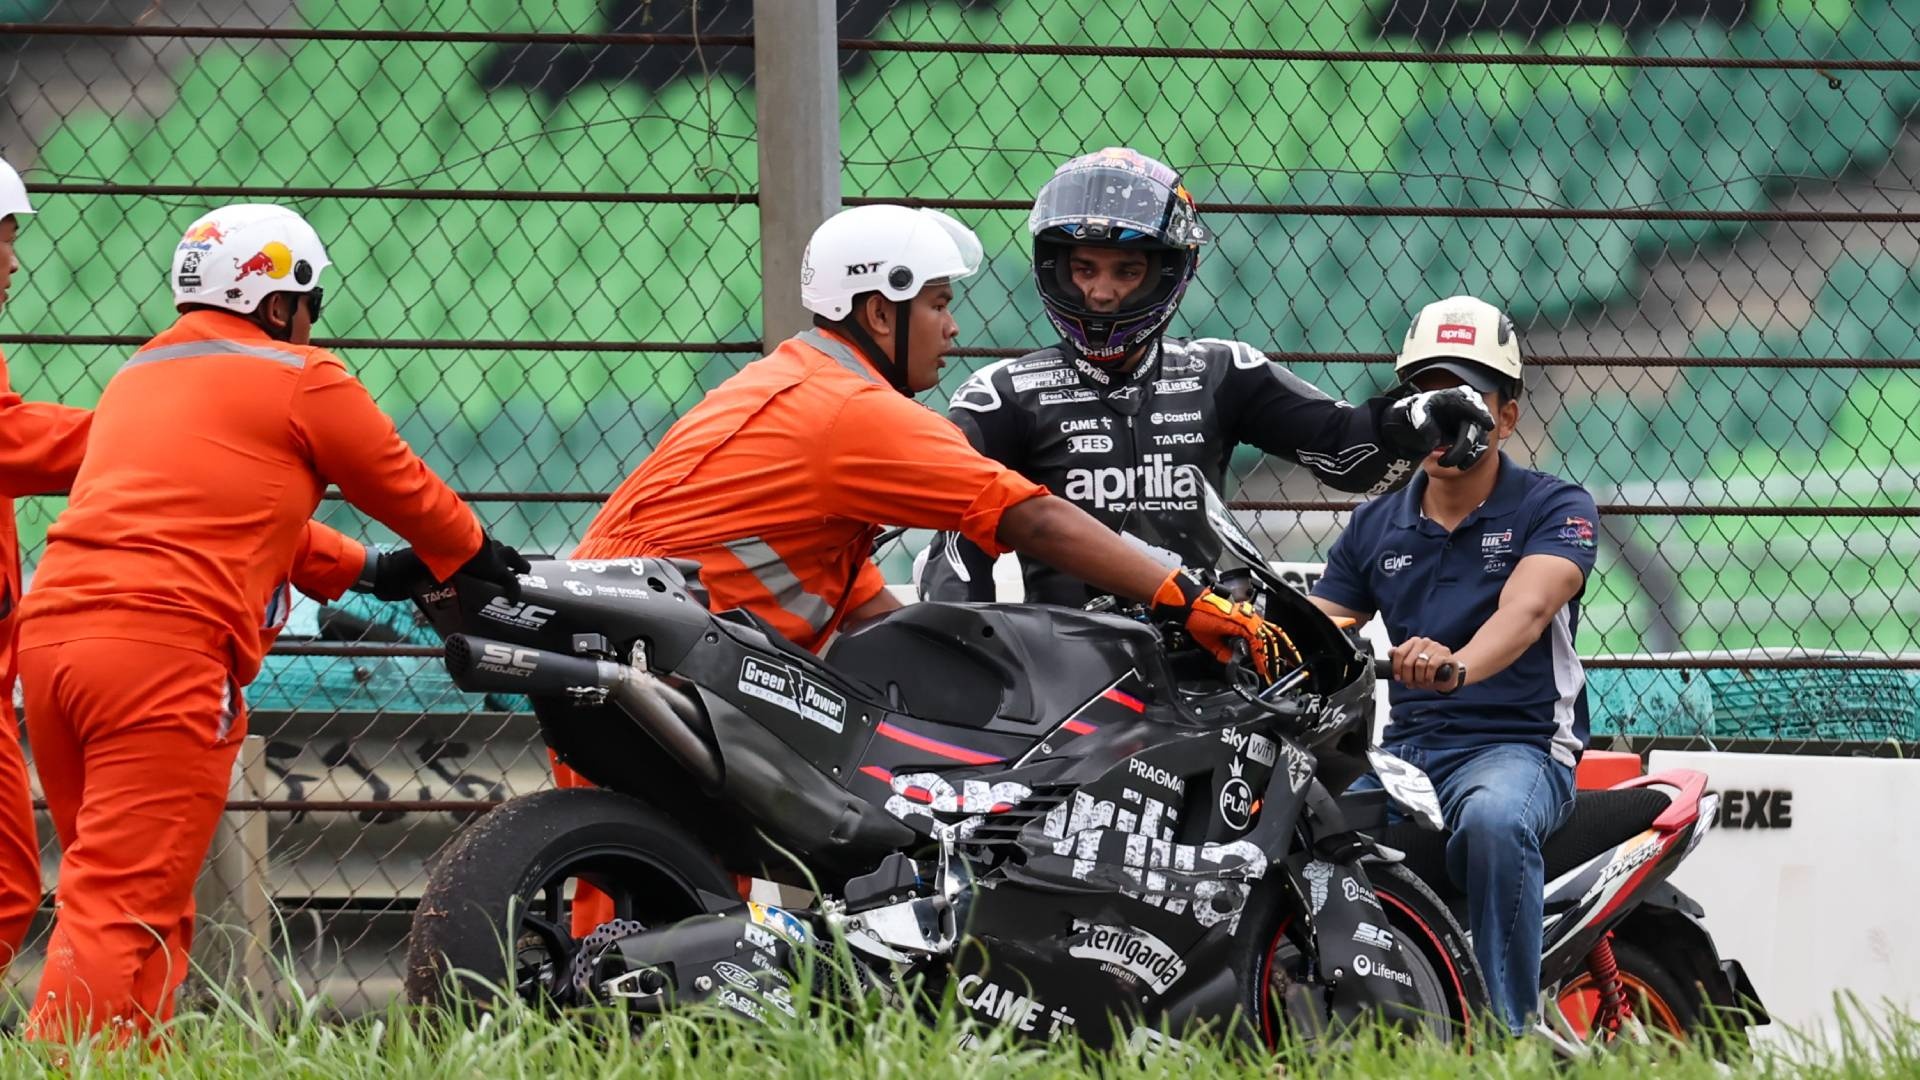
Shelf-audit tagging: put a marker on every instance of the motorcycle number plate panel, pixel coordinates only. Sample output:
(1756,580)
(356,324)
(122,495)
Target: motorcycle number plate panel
(1409,787)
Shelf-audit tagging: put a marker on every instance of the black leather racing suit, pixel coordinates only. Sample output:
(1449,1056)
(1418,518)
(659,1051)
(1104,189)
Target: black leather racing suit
(1112,449)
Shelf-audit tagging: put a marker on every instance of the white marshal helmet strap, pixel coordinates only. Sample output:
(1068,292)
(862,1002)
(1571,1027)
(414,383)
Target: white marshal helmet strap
(13,193)
(235,256)
(891,250)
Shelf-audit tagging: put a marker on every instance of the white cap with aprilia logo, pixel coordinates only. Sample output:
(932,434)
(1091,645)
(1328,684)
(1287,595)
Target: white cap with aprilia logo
(1461,334)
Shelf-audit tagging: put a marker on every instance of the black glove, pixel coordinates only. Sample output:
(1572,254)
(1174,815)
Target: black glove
(392,575)
(395,575)
(1421,423)
(497,563)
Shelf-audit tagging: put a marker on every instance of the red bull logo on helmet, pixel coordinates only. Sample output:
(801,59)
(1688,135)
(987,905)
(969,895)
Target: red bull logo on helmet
(202,236)
(275,260)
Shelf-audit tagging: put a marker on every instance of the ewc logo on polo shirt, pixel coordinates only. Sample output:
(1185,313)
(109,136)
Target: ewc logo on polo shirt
(1392,563)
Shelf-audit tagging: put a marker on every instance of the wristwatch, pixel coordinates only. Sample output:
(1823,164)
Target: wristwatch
(1460,677)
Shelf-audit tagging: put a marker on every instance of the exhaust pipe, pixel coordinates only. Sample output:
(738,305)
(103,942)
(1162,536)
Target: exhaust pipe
(484,666)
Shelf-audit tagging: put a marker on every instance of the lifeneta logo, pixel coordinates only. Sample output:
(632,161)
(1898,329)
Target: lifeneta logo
(1136,952)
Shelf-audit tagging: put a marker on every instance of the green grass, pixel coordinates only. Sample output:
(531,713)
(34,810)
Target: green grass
(231,1040)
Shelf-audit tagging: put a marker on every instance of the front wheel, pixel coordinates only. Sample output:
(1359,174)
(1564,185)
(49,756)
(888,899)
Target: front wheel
(494,920)
(1446,980)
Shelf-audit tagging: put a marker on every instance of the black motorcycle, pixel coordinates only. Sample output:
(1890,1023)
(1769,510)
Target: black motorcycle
(1075,822)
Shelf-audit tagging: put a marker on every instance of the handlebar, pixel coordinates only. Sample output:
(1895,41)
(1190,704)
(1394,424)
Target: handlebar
(1383,669)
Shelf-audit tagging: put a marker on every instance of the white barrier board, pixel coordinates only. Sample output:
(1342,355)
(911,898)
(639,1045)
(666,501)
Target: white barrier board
(1809,881)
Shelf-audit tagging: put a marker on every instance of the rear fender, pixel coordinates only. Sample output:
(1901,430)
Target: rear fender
(1668,925)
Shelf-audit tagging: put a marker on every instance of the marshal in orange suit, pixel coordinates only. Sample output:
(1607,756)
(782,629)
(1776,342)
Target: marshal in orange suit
(40,449)
(168,577)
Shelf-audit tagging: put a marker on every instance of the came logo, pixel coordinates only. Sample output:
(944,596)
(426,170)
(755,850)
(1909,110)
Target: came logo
(1086,423)
(1135,952)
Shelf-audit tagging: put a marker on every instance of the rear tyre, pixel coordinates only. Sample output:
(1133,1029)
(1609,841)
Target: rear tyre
(494,920)
(1661,1000)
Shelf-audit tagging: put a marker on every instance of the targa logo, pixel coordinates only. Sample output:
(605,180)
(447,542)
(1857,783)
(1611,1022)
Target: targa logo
(1392,563)
(1135,952)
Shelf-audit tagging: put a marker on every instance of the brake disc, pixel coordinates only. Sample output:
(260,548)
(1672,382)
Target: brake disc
(587,956)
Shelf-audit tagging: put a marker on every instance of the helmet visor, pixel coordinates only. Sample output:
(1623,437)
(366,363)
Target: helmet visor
(1101,203)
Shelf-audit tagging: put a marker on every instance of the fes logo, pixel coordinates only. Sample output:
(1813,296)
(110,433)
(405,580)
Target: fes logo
(273,260)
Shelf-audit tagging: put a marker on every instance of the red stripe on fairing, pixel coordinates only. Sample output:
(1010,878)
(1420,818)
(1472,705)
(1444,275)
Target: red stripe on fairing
(1079,727)
(877,773)
(935,746)
(1126,699)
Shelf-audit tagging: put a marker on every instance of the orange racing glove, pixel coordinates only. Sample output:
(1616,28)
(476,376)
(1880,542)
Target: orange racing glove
(1214,621)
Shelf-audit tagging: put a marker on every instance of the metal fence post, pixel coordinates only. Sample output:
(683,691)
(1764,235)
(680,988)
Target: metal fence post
(796,76)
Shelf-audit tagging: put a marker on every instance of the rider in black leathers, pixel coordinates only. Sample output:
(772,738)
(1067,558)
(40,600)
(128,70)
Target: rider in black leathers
(1107,418)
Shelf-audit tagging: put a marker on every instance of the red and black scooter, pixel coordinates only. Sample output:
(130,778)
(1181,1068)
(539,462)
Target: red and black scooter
(1624,951)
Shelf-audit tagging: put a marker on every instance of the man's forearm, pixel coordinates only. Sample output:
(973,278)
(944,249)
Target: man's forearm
(1067,538)
(1500,641)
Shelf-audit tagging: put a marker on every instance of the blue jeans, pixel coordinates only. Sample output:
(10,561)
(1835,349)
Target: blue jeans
(1501,802)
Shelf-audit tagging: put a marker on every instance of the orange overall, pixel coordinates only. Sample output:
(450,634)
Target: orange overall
(163,585)
(775,483)
(40,450)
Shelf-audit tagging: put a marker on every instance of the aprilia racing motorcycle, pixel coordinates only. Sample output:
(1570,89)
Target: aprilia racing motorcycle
(1075,823)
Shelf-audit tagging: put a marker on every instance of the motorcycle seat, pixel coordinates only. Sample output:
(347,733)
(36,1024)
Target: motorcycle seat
(1600,820)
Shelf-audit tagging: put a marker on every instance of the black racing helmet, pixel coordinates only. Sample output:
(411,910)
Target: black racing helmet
(1117,197)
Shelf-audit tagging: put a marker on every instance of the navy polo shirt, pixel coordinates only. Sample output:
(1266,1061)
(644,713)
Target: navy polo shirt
(1426,582)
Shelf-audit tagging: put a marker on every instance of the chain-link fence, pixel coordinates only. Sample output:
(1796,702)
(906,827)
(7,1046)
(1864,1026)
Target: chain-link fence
(547,222)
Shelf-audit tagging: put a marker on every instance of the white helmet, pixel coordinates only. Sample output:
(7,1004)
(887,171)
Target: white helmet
(13,193)
(234,256)
(1466,336)
(891,250)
